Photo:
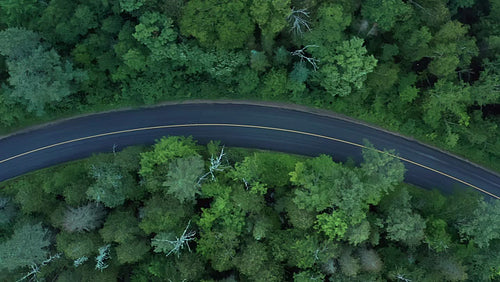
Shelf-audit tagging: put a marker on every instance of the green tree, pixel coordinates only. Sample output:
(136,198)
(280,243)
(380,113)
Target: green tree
(30,196)
(382,171)
(328,27)
(19,12)
(164,151)
(401,223)
(27,246)
(308,276)
(70,181)
(112,186)
(270,16)
(314,178)
(67,22)
(451,49)
(132,251)
(37,76)
(262,170)
(436,235)
(77,245)
(299,218)
(274,84)
(182,178)
(485,90)
(334,225)
(413,43)
(8,211)
(447,102)
(385,13)
(220,227)
(253,259)
(345,70)
(303,251)
(156,32)
(483,225)
(131,5)
(258,61)
(156,216)
(223,24)
(358,233)
(118,221)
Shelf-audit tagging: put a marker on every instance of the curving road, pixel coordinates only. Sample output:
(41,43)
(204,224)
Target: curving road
(235,124)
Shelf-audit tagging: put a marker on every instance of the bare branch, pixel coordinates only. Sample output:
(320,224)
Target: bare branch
(402,278)
(215,165)
(35,268)
(303,57)
(103,255)
(298,21)
(179,243)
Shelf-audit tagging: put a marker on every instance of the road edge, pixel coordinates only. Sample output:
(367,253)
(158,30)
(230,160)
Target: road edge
(271,104)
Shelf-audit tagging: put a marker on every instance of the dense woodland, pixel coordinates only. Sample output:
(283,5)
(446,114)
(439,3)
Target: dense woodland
(426,68)
(178,211)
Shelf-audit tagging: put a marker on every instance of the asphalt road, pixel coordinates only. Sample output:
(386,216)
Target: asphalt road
(288,135)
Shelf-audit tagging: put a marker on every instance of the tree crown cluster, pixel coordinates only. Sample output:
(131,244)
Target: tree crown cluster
(182,211)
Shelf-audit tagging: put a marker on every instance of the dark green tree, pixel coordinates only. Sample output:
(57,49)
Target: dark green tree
(385,13)
(483,225)
(118,221)
(222,24)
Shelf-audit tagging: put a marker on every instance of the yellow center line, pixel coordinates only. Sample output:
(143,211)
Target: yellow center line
(246,126)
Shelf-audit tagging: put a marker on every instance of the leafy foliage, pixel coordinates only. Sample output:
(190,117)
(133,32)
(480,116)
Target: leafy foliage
(27,246)
(311,218)
(37,76)
(182,178)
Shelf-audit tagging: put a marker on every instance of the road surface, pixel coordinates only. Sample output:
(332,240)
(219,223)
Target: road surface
(243,125)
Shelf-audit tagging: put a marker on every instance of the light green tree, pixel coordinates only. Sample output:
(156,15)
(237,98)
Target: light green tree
(263,170)
(112,185)
(333,225)
(182,178)
(165,150)
(27,246)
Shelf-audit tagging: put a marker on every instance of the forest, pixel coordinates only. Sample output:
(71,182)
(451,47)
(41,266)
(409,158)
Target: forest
(428,69)
(180,211)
